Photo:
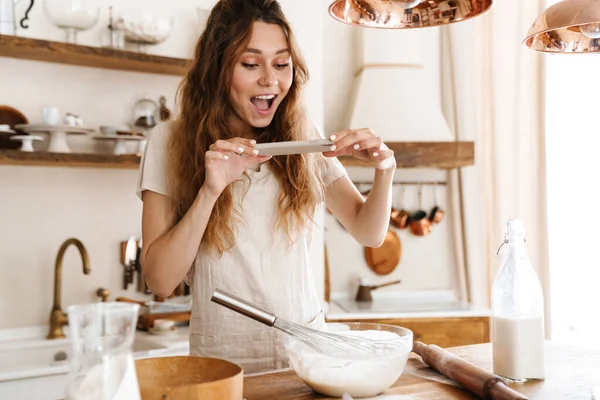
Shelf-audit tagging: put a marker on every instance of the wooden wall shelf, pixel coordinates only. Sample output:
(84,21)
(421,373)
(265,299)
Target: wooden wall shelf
(17,157)
(88,56)
(443,155)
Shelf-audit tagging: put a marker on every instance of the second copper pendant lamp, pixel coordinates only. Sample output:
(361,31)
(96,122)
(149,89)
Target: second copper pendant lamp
(569,26)
(406,14)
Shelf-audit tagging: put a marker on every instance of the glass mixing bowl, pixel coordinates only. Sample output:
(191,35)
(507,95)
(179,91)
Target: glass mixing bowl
(358,376)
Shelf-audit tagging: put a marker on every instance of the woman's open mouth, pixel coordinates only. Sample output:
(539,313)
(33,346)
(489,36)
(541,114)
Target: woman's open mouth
(264,103)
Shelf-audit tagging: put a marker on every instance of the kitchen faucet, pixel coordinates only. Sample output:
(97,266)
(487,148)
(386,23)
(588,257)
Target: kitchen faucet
(58,318)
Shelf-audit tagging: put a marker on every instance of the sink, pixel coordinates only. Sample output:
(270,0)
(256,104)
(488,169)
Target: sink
(49,357)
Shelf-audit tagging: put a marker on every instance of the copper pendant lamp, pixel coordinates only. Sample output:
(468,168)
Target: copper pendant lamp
(571,26)
(405,14)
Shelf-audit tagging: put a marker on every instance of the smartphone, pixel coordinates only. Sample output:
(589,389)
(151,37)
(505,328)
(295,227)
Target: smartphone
(294,147)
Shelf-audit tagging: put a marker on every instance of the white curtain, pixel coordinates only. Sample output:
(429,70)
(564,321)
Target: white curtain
(493,94)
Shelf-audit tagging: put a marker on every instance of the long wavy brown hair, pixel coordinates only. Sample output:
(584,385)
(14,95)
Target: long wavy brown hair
(205,110)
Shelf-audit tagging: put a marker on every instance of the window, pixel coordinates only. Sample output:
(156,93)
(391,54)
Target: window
(573,160)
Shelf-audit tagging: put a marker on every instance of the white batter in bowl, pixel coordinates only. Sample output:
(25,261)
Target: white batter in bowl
(358,376)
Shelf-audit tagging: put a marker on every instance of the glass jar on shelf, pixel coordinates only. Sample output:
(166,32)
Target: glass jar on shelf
(145,113)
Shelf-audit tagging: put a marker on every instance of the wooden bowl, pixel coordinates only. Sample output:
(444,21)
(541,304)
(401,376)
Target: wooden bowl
(189,378)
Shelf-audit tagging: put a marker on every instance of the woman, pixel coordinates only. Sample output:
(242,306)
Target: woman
(220,215)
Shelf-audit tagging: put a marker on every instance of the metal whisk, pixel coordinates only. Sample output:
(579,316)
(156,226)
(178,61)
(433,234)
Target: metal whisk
(324,342)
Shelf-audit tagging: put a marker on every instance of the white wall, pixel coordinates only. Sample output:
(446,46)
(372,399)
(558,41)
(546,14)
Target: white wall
(41,207)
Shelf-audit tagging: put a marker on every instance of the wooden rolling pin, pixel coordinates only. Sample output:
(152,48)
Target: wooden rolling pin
(476,380)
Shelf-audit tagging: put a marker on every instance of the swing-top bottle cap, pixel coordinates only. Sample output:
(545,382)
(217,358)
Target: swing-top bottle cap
(515,227)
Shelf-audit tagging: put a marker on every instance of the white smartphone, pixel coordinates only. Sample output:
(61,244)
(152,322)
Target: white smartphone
(294,147)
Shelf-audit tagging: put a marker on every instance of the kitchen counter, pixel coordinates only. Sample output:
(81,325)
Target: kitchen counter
(571,373)
(348,309)
(433,319)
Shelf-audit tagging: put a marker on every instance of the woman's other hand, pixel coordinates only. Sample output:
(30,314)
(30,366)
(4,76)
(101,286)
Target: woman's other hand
(364,145)
(226,161)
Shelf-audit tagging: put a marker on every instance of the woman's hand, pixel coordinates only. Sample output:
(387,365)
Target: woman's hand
(226,160)
(364,145)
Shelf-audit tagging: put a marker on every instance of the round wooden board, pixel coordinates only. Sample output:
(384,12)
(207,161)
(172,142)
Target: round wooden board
(189,378)
(383,260)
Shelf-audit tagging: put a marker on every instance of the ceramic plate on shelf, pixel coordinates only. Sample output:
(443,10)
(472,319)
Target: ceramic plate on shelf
(54,128)
(26,141)
(26,137)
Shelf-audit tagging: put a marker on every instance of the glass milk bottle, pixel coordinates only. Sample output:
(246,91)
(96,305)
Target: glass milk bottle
(517,313)
(102,366)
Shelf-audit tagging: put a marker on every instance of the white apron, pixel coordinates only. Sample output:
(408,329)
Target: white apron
(263,268)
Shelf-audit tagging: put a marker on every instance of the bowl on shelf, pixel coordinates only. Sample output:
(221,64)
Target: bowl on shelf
(72,16)
(110,130)
(357,375)
(142,28)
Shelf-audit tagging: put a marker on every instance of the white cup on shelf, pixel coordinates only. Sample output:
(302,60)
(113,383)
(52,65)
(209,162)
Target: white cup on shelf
(51,116)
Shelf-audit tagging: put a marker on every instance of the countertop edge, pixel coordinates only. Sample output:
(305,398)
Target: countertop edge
(341,315)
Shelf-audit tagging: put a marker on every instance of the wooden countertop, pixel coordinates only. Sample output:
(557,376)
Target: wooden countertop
(571,373)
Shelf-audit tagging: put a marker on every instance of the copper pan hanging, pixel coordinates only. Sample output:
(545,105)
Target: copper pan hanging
(400,217)
(406,14)
(384,260)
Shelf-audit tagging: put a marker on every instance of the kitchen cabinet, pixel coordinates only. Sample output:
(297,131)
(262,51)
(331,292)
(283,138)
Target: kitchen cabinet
(442,331)
(50,387)
(28,370)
